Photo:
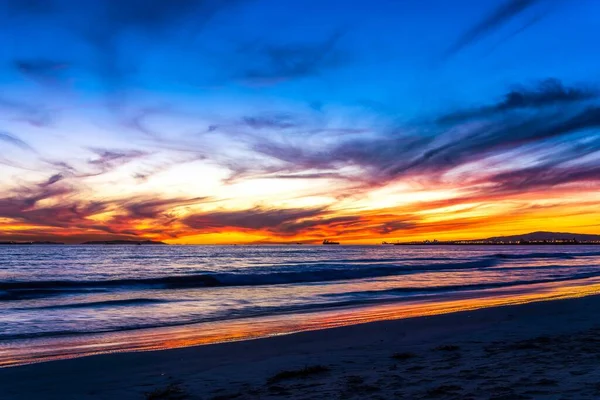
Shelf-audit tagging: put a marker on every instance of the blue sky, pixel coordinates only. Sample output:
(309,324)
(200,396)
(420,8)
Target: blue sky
(393,52)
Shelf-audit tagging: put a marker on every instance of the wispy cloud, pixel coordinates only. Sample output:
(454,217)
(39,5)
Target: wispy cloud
(47,72)
(508,10)
(267,63)
(15,141)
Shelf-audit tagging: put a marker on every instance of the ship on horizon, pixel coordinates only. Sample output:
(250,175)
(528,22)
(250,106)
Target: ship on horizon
(327,241)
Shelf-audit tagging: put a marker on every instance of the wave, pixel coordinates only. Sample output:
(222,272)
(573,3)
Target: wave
(18,290)
(313,272)
(461,288)
(105,303)
(34,293)
(348,299)
(384,260)
(562,256)
(230,315)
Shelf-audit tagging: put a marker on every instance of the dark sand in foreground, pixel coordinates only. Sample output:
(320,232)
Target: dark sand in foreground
(544,350)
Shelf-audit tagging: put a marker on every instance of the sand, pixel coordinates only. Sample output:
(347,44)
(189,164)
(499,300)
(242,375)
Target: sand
(542,350)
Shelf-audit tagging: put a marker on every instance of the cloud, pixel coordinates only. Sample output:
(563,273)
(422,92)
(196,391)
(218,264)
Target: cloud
(544,176)
(30,6)
(46,72)
(296,222)
(394,226)
(319,227)
(54,208)
(316,175)
(153,208)
(254,219)
(52,180)
(272,63)
(429,151)
(35,115)
(548,92)
(508,10)
(282,121)
(104,25)
(108,159)
(155,15)
(15,141)
(23,204)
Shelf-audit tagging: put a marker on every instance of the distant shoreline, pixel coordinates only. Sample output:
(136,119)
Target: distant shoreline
(295,244)
(494,244)
(91,243)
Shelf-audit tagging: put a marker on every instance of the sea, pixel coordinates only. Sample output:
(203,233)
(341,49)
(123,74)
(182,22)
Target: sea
(63,301)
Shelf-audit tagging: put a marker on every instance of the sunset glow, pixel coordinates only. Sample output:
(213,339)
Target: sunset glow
(341,126)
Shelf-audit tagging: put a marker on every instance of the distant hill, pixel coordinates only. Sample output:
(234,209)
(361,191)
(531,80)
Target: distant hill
(543,235)
(124,242)
(537,238)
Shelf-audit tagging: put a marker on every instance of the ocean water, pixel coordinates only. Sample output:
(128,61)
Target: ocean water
(50,292)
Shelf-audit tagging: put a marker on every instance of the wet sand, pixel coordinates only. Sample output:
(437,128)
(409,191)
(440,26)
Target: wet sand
(542,350)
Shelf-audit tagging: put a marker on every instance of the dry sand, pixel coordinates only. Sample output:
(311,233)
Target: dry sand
(544,350)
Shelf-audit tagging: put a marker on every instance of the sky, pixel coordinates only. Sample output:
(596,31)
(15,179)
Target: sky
(269,121)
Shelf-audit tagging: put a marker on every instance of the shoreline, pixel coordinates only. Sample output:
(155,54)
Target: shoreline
(359,353)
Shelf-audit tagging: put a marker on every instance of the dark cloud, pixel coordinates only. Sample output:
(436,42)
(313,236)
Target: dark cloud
(528,24)
(149,14)
(500,16)
(52,180)
(317,175)
(544,176)
(22,205)
(504,136)
(108,159)
(254,219)
(141,177)
(104,24)
(271,63)
(153,208)
(333,225)
(546,93)
(52,206)
(313,222)
(586,119)
(377,155)
(34,7)
(63,166)
(43,71)
(153,16)
(281,121)
(394,226)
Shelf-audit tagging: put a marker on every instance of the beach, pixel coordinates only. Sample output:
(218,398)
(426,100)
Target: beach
(539,350)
